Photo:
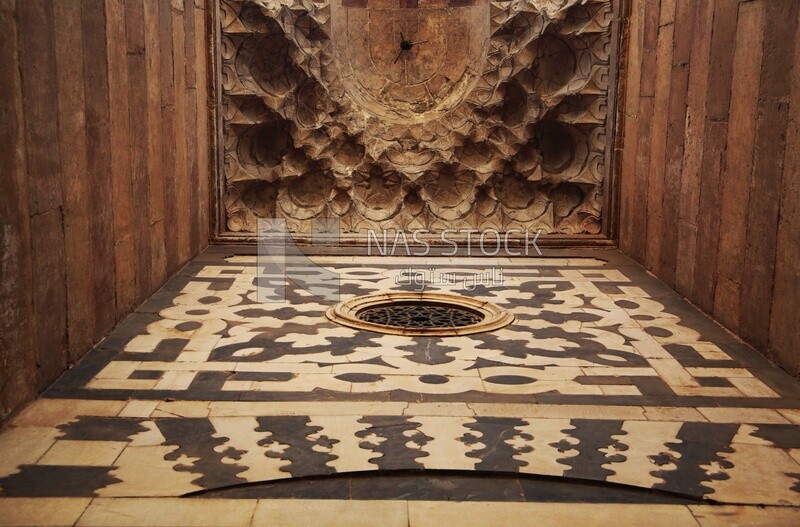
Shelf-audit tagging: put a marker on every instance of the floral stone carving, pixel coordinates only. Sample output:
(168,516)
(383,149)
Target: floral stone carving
(415,114)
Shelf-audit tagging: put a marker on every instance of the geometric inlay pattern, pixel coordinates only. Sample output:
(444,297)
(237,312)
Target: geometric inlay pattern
(604,375)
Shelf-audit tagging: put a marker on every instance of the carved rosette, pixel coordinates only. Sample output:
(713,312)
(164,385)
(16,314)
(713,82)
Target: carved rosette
(497,120)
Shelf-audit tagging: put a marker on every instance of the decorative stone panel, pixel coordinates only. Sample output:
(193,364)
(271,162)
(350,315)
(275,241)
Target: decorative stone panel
(415,114)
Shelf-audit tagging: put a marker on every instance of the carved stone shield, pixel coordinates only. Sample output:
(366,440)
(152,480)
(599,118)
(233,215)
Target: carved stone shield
(409,61)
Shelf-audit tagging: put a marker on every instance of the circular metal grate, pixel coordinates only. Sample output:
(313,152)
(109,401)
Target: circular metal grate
(420,315)
(431,314)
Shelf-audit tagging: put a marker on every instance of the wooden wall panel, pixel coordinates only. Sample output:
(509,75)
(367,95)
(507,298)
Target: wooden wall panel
(739,162)
(18,379)
(714,146)
(75,184)
(784,327)
(91,223)
(697,93)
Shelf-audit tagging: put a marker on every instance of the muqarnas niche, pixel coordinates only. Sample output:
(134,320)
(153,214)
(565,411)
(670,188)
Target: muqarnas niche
(494,119)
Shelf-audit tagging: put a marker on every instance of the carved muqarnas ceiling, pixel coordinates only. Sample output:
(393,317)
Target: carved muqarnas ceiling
(495,118)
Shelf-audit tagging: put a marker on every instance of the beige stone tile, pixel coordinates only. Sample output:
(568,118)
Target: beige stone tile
(631,291)
(121,384)
(743,415)
(482,514)
(558,410)
(544,457)
(667,413)
(181,409)
(439,409)
(759,476)
(753,387)
(350,457)
(309,383)
(53,412)
(680,334)
(122,512)
(671,371)
(193,356)
(24,446)
(705,391)
(648,347)
(87,453)
(118,370)
(618,371)
(237,386)
(246,408)
(143,343)
(331,513)
(144,472)
(644,439)
(413,384)
(241,435)
(41,511)
(727,515)
(175,380)
(150,437)
(202,344)
(709,350)
(138,409)
(619,389)
(792,414)
(188,367)
(282,367)
(747,435)
(445,451)
(728,373)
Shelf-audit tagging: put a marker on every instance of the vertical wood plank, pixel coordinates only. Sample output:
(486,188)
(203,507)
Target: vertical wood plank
(676,127)
(652,13)
(766,183)
(633,80)
(139,129)
(717,106)
(155,165)
(75,184)
(182,182)
(739,162)
(124,251)
(40,104)
(17,358)
(658,147)
(644,139)
(785,320)
(689,204)
(99,167)
(167,79)
(191,122)
(202,39)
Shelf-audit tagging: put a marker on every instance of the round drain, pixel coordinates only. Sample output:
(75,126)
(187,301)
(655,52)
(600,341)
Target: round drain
(430,314)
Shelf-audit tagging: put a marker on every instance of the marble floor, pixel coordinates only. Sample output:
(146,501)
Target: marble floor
(608,401)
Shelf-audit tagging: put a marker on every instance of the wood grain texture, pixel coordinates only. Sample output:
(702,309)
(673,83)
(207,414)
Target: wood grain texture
(689,202)
(87,124)
(785,314)
(739,161)
(17,357)
(75,184)
(720,221)
(630,124)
